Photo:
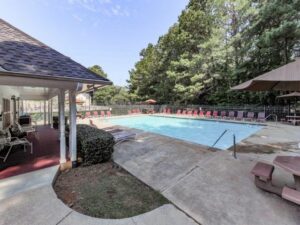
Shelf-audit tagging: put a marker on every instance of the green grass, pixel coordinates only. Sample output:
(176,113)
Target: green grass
(106,192)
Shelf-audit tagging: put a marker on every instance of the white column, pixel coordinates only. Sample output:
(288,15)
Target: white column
(45,112)
(48,119)
(73,130)
(51,113)
(14,108)
(61,102)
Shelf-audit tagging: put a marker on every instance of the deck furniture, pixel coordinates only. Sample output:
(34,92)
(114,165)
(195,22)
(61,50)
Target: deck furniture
(190,113)
(195,113)
(102,114)
(88,114)
(95,114)
(230,115)
(129,112)
(261,117)
(290,164)
(293,119)
(108,114)
(122,136)
(240,115)
(223,115)
(215,114)
(201,113)
(184,112)
(168,111)
(178,112)
(208,114)
(165,111)
(263,177)
(250,116)
(9,142)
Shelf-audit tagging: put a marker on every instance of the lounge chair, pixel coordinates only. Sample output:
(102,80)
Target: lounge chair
(88,114)
(215,114)
(178,112)
(195,113)
(108,113)
(123,136)
(129,112)
(190,113)
(168,111)
(223,115)
(261,117)
(184,112)
(8,142)
(240,115)
(250,116)
(95,114)
(201,114)
(165,111)
(102,114)
(208,114)
(230,115)
(138,111)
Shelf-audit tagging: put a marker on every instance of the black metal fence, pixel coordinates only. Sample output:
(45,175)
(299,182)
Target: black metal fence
(279,111)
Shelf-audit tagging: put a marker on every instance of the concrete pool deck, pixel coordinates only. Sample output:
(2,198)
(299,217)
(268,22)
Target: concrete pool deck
(213,187)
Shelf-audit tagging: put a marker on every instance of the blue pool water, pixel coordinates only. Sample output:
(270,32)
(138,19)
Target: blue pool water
(203,132)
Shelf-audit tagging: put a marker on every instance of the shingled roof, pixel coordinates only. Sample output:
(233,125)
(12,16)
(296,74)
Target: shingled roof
(21,54)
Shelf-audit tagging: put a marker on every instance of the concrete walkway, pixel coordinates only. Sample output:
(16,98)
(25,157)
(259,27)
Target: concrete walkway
(29,199)
(211,187)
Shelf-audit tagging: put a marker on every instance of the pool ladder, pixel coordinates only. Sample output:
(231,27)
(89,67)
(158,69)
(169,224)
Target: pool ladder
(234,143)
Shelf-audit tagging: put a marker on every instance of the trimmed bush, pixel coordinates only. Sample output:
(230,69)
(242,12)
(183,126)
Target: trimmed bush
(94,145)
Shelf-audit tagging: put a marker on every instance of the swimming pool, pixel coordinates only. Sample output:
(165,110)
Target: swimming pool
(203,132)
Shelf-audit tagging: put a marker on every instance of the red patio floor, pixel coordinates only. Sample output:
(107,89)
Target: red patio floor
(45,154)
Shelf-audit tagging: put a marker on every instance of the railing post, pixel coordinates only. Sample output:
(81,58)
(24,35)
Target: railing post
(234,147)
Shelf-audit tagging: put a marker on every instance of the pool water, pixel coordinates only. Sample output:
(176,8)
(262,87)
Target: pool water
(202,132)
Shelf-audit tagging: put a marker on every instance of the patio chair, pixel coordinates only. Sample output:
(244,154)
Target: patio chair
(184,112)
(208,114)
(95,114)
(240,115)
(165,111)
(231,115)
(108,113)
(223,115)
(168,111)
(190,113)
(261,117)
(215,114)
(178,112)
(88,114)
(102,114)
(195,113)
(16,130)
(201,114)
(250,116)
(8,142)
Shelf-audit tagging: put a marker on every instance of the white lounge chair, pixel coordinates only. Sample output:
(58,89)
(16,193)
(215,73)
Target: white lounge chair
(10,142)
(123,136)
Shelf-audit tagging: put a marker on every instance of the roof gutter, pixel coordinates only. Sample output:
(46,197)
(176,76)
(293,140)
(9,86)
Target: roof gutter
(55,78)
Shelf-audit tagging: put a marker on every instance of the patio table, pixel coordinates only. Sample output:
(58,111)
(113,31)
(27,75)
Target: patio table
(292,165)
(293,119)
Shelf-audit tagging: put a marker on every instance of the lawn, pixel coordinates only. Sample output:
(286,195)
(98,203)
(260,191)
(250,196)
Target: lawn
(106,191)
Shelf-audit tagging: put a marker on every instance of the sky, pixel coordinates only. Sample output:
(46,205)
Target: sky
(110,33)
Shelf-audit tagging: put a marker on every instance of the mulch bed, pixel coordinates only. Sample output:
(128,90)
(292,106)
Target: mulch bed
(106,191)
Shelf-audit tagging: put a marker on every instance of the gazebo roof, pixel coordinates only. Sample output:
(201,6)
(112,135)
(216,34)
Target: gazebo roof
(22,55)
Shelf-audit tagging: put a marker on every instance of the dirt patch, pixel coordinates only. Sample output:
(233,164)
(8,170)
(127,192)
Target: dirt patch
(106,191)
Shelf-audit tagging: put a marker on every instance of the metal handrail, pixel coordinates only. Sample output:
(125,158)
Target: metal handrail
(219,138)
(276,117)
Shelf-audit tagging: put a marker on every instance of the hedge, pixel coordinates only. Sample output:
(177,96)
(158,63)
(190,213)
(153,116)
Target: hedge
(94,145)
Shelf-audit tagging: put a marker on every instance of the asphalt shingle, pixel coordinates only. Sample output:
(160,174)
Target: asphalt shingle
(21,53)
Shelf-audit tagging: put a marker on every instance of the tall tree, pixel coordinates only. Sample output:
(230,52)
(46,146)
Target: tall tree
(98,70)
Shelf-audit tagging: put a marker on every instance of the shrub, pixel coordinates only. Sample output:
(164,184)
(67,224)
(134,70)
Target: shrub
(94,145)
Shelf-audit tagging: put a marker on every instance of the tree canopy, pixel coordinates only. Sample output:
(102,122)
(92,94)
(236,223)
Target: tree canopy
(98,70)
(216,44)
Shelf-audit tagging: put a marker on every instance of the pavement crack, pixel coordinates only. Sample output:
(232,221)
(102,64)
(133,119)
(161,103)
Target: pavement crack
(64,217)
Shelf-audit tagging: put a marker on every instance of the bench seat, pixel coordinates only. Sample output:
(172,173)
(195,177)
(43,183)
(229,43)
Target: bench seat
(291,195)
(263,170)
